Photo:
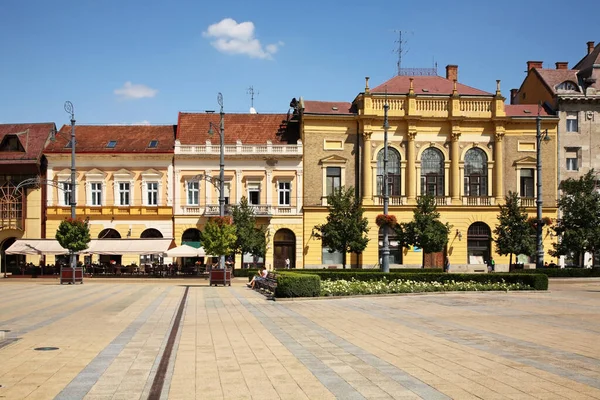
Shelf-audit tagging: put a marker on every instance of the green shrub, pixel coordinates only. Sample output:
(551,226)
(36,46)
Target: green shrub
(291,284)
(565,272)
(368,270)
(240,273)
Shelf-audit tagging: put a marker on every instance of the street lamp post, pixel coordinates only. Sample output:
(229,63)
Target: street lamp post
(73,200)
(539,136)
(386,200)
(221,166)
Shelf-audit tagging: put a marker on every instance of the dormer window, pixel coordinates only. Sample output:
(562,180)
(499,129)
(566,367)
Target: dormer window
(111,144)
(567,86)
(11,143)
(153,144)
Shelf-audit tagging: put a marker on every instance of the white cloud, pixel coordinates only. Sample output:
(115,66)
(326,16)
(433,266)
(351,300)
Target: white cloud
(233,38)
(144,122)
(130,91)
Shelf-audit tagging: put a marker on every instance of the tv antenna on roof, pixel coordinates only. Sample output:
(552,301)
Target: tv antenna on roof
(251,92)
(401,49)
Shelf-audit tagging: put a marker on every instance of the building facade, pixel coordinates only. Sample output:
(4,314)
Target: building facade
(22,200)
(263,162)
(124,183)
(462,145)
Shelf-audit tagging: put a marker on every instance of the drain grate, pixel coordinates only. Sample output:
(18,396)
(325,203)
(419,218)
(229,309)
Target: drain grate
(46,348)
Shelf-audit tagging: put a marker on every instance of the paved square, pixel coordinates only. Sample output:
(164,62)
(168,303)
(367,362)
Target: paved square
(114,338)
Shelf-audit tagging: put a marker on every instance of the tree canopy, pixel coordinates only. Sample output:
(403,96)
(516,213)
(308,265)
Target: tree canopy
(218,237)
(250,239)
(513,234)
(73,235)
(579,225)
(346,227)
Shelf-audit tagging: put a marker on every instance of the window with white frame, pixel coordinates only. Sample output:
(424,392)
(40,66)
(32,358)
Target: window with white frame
(572,158)
(226,191)
(254,193)
(284,189)
(526,183)
(67,189)
(572,122)
(124,193)
(152,193)
(96,189)
(333,179)
(193,193)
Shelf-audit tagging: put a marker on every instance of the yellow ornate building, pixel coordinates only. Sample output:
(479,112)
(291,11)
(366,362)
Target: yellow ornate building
(124,182)
(263,162)
(460,144)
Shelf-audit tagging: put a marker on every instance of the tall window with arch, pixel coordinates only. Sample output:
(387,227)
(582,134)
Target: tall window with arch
(393,172)
(432,172)
(476,173)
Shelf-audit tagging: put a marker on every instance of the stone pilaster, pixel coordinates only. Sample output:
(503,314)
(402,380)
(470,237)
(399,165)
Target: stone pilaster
(367,195)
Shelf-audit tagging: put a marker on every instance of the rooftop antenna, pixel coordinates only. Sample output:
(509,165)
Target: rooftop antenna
(401,49)
(251,92)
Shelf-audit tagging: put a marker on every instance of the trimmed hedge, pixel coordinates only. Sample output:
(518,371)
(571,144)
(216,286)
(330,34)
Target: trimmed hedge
(368,270)
(240,273)
(564,272)
(291,284)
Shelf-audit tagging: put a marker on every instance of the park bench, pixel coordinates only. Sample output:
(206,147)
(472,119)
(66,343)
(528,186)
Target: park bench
(267,285)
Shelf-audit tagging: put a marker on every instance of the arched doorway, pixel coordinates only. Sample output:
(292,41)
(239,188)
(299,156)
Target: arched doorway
(109,259)
(11,262)
(151,233)
(479,238)
(190,265)
(191,237)
(395,249)
(284,247)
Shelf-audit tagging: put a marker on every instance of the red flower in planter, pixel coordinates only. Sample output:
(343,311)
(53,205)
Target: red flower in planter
(386,220)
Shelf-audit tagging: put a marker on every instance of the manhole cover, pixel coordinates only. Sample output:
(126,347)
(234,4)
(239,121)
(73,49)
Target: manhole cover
(46,348)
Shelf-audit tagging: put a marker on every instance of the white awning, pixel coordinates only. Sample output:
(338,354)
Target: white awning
(36,246)
(129,246)
(186,251)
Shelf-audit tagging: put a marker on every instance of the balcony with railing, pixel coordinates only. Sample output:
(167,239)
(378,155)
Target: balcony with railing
(477,201)
(434,106)
(240,149)
(527,201)
(441,200)
(393,200)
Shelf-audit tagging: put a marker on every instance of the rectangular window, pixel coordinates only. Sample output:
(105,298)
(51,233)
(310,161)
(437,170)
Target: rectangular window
(193,193)
(331,258)
(333,179)
(67,188)
(526,184)
(124,188)
(254,193)
(432,185)
(572,164)
(572,122)
(152,193)
(284,193)
(226,190)
(572,157)
(96,193)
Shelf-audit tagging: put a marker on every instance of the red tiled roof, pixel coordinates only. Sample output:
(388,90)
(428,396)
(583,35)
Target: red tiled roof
(129,138)
(327,107)
(249,128)
(553,77)
(590,59)
(524,110)
(432,85)
(33,138)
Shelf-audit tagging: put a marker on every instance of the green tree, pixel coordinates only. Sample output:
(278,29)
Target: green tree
(346,227)
(513,232)
(425,230)
(73,235)
(579,226)
(250,238)
(218,237)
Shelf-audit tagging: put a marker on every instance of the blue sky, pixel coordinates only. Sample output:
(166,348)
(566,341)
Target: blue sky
(143,61)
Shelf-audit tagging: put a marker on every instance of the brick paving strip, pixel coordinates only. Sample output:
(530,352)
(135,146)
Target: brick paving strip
(312,355)
(87,378)
(524,352)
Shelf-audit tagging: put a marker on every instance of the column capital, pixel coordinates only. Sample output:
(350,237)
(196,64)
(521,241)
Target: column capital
(412,135)
(455,135)
(499,136)
(367,135)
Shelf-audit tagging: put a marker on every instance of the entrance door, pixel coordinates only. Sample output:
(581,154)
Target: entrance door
(478,243)
(284,248)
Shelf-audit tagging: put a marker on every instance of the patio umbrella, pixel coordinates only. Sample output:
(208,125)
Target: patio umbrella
(185,251)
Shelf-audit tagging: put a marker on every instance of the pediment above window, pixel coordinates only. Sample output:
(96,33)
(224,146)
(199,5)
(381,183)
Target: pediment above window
(333,159)
(123,174)
(95,174)
(525,161)
(151,174)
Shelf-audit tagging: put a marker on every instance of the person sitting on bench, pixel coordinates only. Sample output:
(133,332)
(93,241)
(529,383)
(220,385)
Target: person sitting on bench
(257,278)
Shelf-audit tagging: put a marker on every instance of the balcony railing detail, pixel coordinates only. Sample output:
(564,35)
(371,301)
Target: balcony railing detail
(393,200)
(241,149)
(192,210)
(441,200)
(477,201)
(527,201)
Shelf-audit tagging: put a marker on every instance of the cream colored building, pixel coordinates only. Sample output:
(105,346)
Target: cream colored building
(263,162)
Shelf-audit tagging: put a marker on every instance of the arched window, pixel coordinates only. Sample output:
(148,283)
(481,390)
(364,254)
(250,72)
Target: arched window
(393,172)
(567,86)
(109,233)
(191,237)
(476,179)
(432,172)
(151,233)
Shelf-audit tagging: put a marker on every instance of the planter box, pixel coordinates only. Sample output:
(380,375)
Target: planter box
(220,277)
(66,275)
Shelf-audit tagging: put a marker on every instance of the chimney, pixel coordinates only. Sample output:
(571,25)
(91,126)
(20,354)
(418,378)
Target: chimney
(590,47)
(562,65)
(534,64)
(452,72)
(513,95)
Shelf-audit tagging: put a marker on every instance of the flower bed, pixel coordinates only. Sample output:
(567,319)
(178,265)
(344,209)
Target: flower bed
(342,287)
